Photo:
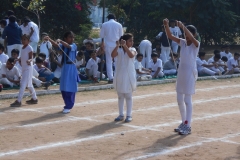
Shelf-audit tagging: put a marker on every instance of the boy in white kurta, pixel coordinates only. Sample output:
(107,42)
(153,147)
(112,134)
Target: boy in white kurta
(125,76)
(232,64)
(187,73)
(27,71)
(143,74)
(155,65)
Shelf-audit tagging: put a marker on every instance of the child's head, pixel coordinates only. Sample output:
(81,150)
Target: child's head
(227,48)
(193,30)
(217,57)
(139,57)
(172,23)
(224,59)
(1,48)
(128,37)
(44,35)
(201,55)
(12,19)
(3,23)
(10,63)
(216,52)
(89,45)
(236,56)
(68,37)
(93,54)
(15,53)
(80,55)
(26,20)
(42,56)
(39,62)
(83,48)
(173,56)
(25,39)
(154,57)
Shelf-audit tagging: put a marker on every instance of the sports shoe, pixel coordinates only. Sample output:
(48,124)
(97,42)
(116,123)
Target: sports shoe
(128,119)
(16,104)
(179,128)
(65,111)
(185,130)
(119,118)
(32,101)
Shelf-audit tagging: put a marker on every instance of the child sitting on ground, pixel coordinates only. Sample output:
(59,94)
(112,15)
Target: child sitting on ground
(142,73)
(232,64)
(218,67)
(92,67)
(170,68)
(203,66)
(10,74)
(156,66)
(3,56)
(45,60)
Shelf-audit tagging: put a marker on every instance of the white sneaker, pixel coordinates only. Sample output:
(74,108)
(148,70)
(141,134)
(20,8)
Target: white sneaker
(65,111)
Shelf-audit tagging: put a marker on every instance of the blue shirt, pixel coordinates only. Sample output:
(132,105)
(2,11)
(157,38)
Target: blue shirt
(69,74)
(13,33)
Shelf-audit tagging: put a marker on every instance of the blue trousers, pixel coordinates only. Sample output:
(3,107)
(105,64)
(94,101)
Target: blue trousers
(69,99)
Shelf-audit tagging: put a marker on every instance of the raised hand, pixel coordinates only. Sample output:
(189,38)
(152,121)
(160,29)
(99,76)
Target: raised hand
(166,22)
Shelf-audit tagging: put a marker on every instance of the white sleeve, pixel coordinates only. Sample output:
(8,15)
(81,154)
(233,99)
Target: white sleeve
(199,62)
(159,63)
(88,66)
(3,69)
(136,65)
(98,60)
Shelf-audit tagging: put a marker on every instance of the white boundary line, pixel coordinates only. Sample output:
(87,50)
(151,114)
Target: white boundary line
(71,142)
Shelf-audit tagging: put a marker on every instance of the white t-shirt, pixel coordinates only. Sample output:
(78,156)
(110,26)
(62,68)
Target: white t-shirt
(44,48)
(25,30)
(3,58)
(35,35)
(78,63)
(154,66)
(175,31)
(229,55)
(92,62)
(200,63)
(10,73)
(25,56)
(232,62)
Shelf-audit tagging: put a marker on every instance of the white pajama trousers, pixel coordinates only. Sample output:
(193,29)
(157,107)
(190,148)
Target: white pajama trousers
(93,71)
(219,69)
(6,81)
(146,50)
(26,81)
(170,71)
(109,61)
(185,107)
(129,103)
(207,71)
(164,56)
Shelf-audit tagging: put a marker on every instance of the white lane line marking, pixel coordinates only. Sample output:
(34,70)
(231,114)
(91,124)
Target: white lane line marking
(115,99)
(67,143)
(232,142)
(90,118)
(176,149)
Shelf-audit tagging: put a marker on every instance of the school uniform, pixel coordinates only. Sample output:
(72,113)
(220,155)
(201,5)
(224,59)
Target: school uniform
(35,36)
(138,66)
(111,31)
(154,67)
(228,55)
(216,69)
(27,74)
(124,81)
(3,58)
(12,74)
(230,64)
(145,48)
(92,66)
(203,70)
(175,32)
(69,76)
(45,47)
(169,68)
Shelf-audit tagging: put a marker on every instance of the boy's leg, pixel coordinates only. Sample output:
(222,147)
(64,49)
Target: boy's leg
(95,70)
(181,105)
(6,81)
(208,71)
(189,107)
(120,103)
(36,81)
(160,74)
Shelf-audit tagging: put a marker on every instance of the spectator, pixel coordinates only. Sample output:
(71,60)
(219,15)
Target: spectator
(218,67)
(111,32)
(145,48)
(13,34)
(92,68)
(141,72)
(222,51)
(3,24)
(170,68)
(3,56)
(58,70)
(88,51)
(10,74)
(79,60)
(232,64)
(227,53)
(45,60)
(9,13)
(157,49)
(175,30)
(45,46)
(156,66)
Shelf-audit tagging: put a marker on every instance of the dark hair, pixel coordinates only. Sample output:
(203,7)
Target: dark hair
(126,36)
(12,19)
(26,36)
(224,58)
(80,54)
(42,55)
(201,54)
(154,55)
(15,51)
(111,16)
(192,29)
(139,55)
(39,60)
(26,19)
(236,54)
(10,13)
(11,60)
(216,52)
(3,22)
(91,52)
(218,56)
(2,47)
(66,34)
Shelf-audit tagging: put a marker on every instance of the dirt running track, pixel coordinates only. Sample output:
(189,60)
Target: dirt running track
(41,132)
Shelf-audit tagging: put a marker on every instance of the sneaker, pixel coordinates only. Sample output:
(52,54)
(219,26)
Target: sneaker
(179,128)
(16,104)
(185,130)
(65,111)
(119,118)
(32,101)
(128,119)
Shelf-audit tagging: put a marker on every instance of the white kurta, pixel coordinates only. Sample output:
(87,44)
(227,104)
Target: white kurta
(187,71)
(125,76)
